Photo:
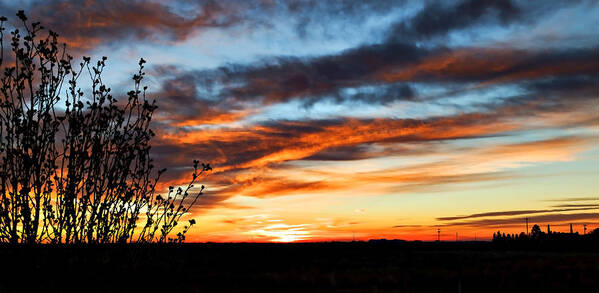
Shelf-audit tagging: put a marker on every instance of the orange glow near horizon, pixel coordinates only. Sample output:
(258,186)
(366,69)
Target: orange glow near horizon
(406,177)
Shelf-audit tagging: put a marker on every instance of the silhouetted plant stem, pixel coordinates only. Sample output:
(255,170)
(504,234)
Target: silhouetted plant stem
(75,167)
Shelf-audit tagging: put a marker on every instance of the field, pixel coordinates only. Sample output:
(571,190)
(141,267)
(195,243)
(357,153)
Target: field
(383,266)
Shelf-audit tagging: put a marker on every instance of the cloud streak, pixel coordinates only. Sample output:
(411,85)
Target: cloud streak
(541,219)
(437,18)
(515,213)
(84,25)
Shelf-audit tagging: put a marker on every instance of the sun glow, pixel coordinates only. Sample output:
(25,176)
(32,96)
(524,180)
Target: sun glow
(281,233)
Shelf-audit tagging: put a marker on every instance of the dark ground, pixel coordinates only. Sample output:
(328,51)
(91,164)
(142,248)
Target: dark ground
(312,267)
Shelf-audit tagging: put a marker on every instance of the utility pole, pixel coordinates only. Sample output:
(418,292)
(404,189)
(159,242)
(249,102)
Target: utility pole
(585,229)
(438,235)
(571,230)
(456,236)
(527,227)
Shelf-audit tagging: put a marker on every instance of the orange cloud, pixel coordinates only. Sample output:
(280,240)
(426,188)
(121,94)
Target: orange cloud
(275,145)
(260,179)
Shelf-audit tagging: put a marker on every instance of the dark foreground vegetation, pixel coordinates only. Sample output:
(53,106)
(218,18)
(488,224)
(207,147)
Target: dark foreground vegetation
(75,164)
(376,266)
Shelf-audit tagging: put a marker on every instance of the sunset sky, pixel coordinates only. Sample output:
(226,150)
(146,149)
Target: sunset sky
(379,119)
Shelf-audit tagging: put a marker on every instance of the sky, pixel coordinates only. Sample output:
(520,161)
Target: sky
(341,120)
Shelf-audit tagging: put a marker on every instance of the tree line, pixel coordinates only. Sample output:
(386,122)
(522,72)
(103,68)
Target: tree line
(537,234)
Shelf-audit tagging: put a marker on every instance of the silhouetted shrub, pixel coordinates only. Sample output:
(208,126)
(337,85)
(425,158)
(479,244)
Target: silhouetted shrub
(74,165)
(535,232)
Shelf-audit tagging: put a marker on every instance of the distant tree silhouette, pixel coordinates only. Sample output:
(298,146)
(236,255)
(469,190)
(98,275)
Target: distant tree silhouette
(550,239)
(75,166)
(535,232)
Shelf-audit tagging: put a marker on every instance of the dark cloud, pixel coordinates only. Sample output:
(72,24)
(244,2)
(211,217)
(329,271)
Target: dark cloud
(575,87)
(314,16)
(438,18)
(541,219)
(287,78)
(566,199)
(576,206)
(181,103)
(382,94)
(367,151)
(515,213)
(565,83)
(388,69)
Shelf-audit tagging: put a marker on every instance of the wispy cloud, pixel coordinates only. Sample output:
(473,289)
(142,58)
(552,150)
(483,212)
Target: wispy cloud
(515,213)
(540,219)
(567,199)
